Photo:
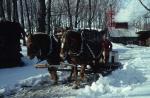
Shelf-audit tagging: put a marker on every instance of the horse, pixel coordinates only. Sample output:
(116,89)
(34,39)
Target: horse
(77,50)
(45,47)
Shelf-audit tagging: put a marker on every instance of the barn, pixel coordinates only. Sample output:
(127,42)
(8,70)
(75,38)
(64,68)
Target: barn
(124,36)
(144,38)
(10,34)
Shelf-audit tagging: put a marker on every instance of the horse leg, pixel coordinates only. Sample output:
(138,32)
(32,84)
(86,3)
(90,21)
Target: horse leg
(24,41)
(71,74)
(107,57)
(71,61)
(75,74)
(103,56)
(53,73)
(82,72)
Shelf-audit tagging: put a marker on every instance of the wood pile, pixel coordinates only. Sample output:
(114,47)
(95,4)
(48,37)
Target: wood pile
(10,34)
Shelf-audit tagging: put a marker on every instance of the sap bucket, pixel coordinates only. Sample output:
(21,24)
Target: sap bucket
(113,57)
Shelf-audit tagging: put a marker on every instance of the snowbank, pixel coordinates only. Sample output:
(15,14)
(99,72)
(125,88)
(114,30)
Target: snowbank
(118,84)
(121,82)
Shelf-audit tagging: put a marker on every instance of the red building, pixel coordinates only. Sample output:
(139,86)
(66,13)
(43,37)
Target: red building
(144,38)
(121,25)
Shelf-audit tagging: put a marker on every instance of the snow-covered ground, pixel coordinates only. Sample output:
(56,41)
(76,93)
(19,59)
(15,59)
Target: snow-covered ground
(133,81)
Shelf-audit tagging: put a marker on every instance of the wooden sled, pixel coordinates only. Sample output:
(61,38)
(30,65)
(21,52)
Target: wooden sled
(104,69)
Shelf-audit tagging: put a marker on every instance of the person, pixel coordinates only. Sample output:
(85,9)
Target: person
(106,47)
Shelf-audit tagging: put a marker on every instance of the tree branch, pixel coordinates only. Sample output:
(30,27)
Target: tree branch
(144,5)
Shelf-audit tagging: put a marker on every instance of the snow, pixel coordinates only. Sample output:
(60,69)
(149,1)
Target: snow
(132,81)
(10,77)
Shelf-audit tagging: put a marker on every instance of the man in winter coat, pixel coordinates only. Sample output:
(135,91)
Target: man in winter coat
(106,47)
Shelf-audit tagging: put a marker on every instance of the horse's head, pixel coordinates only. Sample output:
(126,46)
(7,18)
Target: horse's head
(38,45)
(70,41)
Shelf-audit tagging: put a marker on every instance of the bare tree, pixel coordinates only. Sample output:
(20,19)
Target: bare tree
(21,13)
(77,13)
(69,13)
(8,9)
(144,5)
(90,14)
(28,19)
(41,16)
(49,16)
(2,14)
(34,14)
(15,11)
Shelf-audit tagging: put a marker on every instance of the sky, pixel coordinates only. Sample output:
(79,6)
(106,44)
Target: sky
(131,10)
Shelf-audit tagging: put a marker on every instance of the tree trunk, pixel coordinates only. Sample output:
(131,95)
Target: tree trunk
(60,19)
(69,14)
(77,13)
(2,14)
(99,20)
(28,19)
(41,16)
(8,9)
(49,16)
(21,13)
(32,16)
(15,11)
(90,9)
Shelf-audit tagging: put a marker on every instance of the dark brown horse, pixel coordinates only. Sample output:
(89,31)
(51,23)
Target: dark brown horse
(79,50)
(47,48)
(38,45)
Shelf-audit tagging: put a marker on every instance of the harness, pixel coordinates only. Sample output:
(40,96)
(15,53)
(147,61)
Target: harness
(81,49)
(91,51)
(88,46)
(50,46)
(53,42)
